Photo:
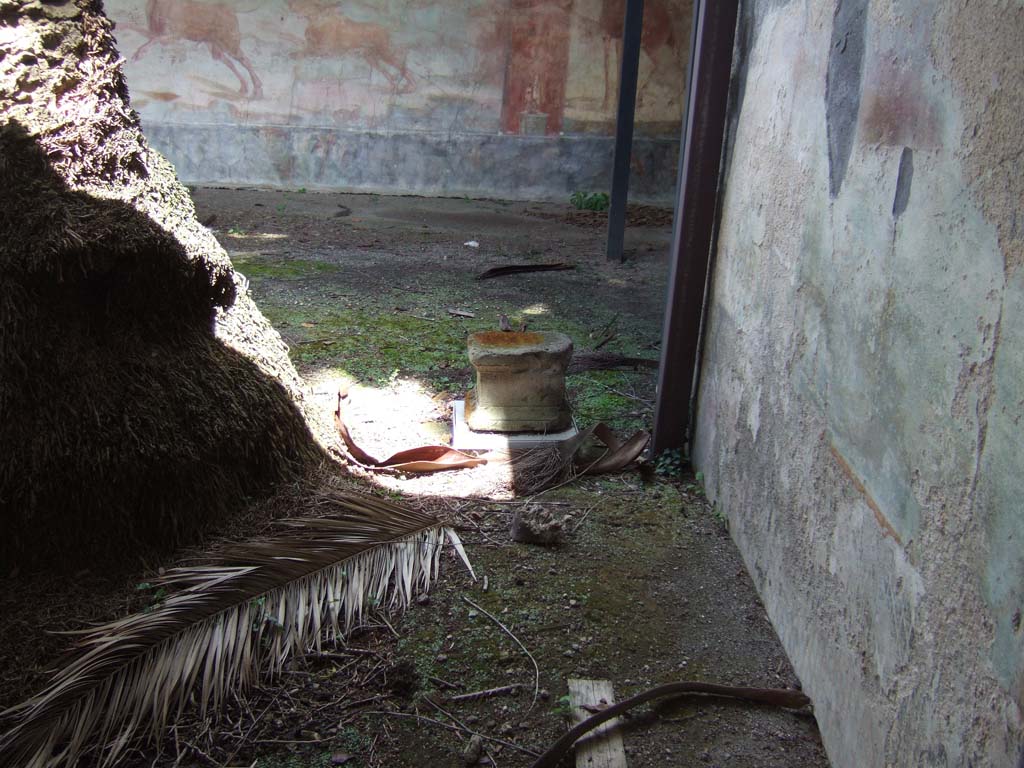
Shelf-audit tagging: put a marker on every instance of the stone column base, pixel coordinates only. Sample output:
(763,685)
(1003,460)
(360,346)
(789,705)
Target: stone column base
(520,382)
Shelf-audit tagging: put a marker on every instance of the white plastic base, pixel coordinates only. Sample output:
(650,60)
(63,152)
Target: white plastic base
(465,439)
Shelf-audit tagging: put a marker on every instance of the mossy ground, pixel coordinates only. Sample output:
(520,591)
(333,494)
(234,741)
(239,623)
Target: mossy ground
(367,297)
(647,587)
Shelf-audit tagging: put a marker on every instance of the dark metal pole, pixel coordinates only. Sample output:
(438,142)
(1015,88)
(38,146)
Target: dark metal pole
(632,28)
(707,92)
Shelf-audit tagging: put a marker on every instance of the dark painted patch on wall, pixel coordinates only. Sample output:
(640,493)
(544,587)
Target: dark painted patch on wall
(523,167)
(842,86)
(904,178)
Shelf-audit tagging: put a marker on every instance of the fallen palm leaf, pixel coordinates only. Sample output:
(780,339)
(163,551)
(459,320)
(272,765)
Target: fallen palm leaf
(227,623)
(617,455)
(512,269)
(425,458)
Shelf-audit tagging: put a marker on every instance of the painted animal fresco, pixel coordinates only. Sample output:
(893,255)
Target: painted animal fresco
(214,24)
(330,34)
(529,67)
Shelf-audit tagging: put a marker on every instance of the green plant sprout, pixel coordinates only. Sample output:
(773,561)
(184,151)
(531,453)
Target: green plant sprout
(590,201)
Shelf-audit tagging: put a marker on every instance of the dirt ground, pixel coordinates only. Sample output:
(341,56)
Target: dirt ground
(376,295)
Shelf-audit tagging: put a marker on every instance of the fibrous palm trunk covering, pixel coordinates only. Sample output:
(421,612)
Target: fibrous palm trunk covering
(142,394)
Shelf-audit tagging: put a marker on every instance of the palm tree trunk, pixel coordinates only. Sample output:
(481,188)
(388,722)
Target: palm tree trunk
(142,393)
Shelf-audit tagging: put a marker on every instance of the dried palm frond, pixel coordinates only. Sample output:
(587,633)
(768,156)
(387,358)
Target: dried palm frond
(539,468)
(227,623)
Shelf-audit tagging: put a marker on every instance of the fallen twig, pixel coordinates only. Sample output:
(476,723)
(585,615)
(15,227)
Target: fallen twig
(603,361)
(779,697)
(485,694)
(345,653)
(425,719)
(605,339)
(445,683)
(628,396)
(580,521)
(536,669)
(342,706)
(455,720)
(248,732)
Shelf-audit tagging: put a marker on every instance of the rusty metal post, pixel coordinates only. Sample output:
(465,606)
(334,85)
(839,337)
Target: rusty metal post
(703,138)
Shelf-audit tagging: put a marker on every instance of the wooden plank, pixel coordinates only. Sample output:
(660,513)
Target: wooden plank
(602,747)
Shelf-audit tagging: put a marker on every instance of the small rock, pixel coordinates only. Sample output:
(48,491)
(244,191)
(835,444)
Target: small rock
(471,754)
(340,758)
(507,729)
(568,654)
(441,658)
(573,603)
(473,614)
(534,524)
(423,599)
(544,694)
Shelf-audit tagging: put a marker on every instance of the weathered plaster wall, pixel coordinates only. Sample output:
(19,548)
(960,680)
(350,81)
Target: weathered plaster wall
(860,409)
(504,97)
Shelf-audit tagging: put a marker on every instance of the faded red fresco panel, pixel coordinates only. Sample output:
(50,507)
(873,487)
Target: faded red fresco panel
(660,22)
(538,62)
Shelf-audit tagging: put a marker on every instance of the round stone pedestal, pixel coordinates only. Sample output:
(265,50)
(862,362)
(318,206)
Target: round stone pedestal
(520,382)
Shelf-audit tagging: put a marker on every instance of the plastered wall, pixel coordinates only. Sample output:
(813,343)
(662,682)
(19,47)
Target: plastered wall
(503,97)
(861,403)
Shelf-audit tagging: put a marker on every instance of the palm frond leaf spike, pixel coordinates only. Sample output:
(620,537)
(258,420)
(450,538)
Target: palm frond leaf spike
(226,624)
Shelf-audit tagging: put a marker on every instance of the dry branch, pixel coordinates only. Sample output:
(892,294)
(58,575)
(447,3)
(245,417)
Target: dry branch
(779,697)
(507,631)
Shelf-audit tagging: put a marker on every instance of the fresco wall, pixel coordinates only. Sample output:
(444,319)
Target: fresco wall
(457,97)
(861,404)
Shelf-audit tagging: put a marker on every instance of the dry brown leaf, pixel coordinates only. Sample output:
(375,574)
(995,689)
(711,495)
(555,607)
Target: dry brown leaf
(424,458)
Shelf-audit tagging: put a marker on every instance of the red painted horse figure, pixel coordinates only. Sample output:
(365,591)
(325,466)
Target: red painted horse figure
(214,24)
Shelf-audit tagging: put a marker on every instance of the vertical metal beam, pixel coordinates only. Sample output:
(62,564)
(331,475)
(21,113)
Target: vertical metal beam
(632,28)
(703,138)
